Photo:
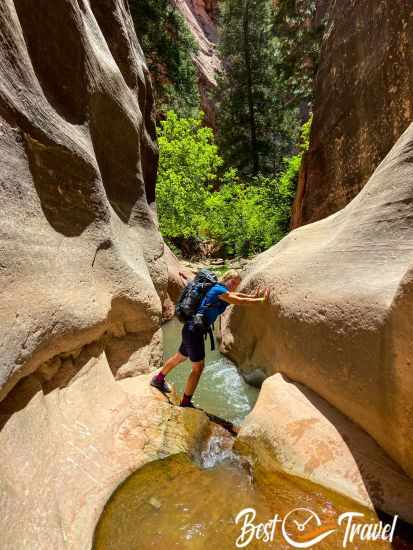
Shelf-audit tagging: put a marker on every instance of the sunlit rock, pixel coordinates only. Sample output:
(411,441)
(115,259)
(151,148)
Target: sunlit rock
(340,318)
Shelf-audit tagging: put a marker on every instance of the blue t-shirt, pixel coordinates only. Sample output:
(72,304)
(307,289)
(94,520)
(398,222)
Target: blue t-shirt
(217,306)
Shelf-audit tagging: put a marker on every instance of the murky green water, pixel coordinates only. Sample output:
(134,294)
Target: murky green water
(221,390)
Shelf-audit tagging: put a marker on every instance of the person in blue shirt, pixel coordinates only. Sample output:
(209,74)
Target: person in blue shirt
(218,298)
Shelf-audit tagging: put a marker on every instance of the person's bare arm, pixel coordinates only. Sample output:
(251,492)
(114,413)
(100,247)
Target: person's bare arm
(234,299)
(256,294)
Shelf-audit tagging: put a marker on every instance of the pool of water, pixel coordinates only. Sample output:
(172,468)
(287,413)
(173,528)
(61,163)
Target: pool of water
(175,503)
(221,390)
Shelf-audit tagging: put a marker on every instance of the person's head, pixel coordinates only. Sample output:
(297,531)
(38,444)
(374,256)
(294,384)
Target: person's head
(231,279)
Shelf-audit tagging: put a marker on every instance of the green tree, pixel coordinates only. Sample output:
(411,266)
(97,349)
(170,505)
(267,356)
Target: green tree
(270,52)
(247,129)
(299,27)
(188,165)
(169,48)
(195,199)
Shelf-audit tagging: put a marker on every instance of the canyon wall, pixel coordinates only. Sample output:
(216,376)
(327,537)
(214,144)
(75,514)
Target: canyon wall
(200,16)
(82,265)
(84,273)
(339,322)
(363,102)
(340,315)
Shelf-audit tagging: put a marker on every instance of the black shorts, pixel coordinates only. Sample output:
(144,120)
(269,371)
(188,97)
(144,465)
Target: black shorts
(193,344)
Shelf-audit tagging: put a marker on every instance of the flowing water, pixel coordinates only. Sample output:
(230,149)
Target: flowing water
(221,390)
(192,503)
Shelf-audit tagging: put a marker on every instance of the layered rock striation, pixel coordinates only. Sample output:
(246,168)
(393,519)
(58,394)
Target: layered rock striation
(82,265)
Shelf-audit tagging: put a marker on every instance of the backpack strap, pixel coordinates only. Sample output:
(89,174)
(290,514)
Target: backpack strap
(211,336)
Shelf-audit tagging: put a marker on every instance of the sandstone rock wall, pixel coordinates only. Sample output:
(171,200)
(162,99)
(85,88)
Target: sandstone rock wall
(82,265)
(340,319)
(200,16)
(363,102)
(63,456)
(294,429)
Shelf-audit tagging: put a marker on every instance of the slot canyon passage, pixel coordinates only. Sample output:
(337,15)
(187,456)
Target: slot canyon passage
(90,454)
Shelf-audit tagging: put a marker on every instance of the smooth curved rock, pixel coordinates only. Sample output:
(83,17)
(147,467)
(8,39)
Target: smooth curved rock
(293,429)
(340,319)
(63,456)
(81,257)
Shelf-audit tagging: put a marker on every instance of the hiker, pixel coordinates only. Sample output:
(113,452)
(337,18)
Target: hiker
(214,303)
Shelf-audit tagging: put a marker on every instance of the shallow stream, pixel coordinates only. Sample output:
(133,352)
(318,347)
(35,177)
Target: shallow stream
(221,390)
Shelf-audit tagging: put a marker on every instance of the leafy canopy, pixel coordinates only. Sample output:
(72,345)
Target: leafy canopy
(188,165)
(195,198)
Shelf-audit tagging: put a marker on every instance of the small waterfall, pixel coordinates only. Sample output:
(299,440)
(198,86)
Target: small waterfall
(218,449)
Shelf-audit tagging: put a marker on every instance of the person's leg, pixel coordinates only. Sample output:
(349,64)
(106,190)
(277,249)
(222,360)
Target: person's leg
(179,357)
(173,362)
(196,352)
(192,382)
(159,379)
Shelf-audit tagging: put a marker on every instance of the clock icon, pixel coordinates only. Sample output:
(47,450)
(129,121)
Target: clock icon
(302,528)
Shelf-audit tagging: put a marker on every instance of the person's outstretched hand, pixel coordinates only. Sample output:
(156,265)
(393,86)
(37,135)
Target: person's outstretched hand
(184,278)
(267,296)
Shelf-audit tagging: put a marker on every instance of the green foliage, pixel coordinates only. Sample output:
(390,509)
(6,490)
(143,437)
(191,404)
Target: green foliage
(247,218)
(269,68)
(305,135)
(299,36)
(188,165)
(244,217)
(168,46)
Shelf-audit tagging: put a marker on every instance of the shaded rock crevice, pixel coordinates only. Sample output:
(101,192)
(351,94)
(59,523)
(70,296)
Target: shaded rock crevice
(127,354)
